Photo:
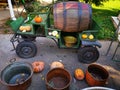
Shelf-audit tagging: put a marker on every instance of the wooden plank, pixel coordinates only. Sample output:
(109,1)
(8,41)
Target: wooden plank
(3,4)
(116,22)
(118,17)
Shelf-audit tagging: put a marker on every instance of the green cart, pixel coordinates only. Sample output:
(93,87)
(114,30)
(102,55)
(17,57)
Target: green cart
(84,41)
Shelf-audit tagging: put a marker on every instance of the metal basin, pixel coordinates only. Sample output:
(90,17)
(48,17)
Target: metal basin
(17,76)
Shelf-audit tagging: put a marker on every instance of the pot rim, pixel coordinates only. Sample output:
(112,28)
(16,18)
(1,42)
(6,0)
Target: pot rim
(98,87)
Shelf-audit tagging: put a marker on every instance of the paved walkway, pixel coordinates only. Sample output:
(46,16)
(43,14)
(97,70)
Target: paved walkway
(49,52)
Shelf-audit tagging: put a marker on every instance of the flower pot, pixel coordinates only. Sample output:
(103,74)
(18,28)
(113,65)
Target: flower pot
(58,79)
(96,75)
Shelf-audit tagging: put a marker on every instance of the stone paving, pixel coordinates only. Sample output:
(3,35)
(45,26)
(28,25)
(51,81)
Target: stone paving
(49,52)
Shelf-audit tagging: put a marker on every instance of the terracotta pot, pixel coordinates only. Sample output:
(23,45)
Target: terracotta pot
(58,79)
(96,75)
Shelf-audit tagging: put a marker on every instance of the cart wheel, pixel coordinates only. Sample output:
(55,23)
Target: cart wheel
(88,54)
(26,49)
(31,38)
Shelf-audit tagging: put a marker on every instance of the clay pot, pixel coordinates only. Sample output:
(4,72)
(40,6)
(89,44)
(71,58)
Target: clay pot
(96,75)
(58,79)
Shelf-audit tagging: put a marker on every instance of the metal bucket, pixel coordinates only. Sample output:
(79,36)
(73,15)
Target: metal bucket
(17,76)
(58,79)
(96,75)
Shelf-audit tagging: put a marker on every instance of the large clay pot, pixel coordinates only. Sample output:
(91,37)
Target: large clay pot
(96,75)
(58,79)
(72,16)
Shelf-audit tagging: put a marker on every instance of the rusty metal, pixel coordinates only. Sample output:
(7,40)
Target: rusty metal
(12,70)
(58,79)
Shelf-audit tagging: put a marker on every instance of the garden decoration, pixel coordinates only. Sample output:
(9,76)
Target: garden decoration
(38,66)
(58,79)
(96,75)
(79,74)
(69,24)
(17,75)
(56,64)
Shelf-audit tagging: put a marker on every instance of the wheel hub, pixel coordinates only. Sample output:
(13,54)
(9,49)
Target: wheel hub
(26,50)
(88,54)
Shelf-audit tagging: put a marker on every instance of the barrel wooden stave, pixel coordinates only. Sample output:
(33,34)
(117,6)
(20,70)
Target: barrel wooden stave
(72,16)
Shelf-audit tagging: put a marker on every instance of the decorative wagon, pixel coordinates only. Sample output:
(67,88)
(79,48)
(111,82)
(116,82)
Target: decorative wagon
(72,27)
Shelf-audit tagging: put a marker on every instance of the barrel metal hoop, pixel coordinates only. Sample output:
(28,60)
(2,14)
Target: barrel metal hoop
(55,14)
(90,13)
(12,60)
(64,15)
(79,15)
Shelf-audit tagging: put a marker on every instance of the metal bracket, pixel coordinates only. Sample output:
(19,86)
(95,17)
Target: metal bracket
(14,39)
(91,43)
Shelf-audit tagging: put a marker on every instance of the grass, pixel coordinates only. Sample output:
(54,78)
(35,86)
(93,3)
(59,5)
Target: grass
(102,15)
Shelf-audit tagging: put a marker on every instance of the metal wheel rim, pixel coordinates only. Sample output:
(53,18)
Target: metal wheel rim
(26,50)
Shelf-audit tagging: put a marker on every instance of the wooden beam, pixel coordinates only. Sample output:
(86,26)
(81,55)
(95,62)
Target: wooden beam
(3,4)
(116,22)
(118,17)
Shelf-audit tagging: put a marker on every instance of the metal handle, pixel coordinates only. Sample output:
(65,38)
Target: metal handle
(12,60)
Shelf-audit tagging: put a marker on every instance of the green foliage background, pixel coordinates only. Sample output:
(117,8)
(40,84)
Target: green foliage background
(102,15)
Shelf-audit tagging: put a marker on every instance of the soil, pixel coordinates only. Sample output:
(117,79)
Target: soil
(5,29)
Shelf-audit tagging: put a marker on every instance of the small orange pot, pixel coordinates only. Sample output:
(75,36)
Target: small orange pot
(96,75)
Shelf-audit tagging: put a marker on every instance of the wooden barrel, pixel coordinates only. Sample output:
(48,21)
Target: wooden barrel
(72,16)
